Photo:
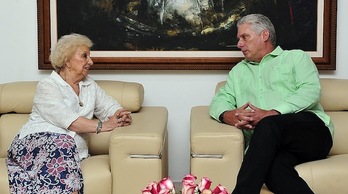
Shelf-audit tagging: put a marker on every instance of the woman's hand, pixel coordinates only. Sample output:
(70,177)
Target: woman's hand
(123,117)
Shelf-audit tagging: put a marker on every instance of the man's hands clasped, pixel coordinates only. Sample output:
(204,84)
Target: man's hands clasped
(247,116)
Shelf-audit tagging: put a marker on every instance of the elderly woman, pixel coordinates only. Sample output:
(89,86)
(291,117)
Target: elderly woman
(45,156)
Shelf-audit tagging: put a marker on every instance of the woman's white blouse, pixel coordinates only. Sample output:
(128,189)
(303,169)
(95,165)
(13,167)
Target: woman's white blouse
(56,106)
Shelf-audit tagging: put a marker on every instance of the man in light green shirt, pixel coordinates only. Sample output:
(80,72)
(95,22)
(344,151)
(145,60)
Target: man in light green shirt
(273,96)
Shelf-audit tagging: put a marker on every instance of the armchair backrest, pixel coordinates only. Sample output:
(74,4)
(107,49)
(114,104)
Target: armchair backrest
(129,94)
(334,100)
(16,101)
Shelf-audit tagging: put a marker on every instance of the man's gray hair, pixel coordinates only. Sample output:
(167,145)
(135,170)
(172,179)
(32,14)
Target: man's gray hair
(258,24)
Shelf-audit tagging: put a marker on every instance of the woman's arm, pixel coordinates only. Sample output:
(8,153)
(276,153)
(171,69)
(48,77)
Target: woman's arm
(119,119)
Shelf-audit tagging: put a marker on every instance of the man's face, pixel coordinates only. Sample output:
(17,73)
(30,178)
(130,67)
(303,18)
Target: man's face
(250,43)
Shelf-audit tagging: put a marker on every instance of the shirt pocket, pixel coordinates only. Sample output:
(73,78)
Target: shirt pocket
(282,75)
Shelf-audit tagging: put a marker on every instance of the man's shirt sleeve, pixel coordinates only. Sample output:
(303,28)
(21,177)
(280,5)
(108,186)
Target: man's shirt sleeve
(223,100)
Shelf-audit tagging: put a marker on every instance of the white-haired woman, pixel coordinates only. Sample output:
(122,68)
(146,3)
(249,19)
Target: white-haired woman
(45,155)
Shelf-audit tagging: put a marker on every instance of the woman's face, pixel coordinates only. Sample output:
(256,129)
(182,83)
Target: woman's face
(80,62)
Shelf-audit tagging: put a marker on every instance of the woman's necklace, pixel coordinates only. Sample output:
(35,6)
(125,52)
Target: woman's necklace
(78,96)
(76,90)
(80,103)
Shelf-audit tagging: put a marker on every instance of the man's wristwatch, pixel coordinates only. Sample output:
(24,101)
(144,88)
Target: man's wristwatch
(277,111)
(221,117)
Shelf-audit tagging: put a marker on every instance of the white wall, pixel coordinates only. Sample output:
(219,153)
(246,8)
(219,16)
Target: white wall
(177,90)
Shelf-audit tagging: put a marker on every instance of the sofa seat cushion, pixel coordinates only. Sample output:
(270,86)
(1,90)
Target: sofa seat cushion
(4,189)
(96,174)
(324,175)
(9,127)
(339,118)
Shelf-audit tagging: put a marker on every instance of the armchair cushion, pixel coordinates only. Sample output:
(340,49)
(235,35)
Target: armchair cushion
(216,149)
(141,147)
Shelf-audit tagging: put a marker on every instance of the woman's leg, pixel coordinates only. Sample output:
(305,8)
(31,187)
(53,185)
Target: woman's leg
(44,163)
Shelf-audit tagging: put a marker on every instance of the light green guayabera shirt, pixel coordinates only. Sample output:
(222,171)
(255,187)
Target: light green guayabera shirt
(284,80)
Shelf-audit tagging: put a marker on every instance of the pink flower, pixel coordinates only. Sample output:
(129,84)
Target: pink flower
(151,188)
(206,191)
(220,190)
(204,184)
(189,177)
(188,184)
(165,186)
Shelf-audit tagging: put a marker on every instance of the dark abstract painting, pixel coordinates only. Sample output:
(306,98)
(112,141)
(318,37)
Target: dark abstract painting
(183,25)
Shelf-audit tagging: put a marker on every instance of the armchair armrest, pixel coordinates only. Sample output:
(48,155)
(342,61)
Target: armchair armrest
(138,153)
(216,149)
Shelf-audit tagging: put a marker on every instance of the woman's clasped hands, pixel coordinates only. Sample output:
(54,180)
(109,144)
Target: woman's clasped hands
(121,118)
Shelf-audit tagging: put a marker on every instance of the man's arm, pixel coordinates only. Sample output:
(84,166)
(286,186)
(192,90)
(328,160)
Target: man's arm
(223,100)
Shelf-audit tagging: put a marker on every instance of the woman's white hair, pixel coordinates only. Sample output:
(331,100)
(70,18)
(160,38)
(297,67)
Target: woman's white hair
(66,48)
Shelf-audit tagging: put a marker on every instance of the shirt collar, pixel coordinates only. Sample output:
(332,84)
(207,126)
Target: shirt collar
(276,52)
(54,75)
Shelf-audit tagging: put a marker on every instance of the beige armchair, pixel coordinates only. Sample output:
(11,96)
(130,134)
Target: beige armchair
(122,161)
(217,149)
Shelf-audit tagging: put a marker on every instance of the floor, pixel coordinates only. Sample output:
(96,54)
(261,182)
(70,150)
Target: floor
(177,186)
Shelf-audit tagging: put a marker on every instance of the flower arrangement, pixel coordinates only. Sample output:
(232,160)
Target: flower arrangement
(189,186)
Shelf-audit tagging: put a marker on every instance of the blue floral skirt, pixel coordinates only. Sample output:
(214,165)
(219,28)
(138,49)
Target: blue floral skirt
(44,163)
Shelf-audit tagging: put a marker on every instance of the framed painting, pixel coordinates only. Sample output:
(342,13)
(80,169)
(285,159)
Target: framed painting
(183,34)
